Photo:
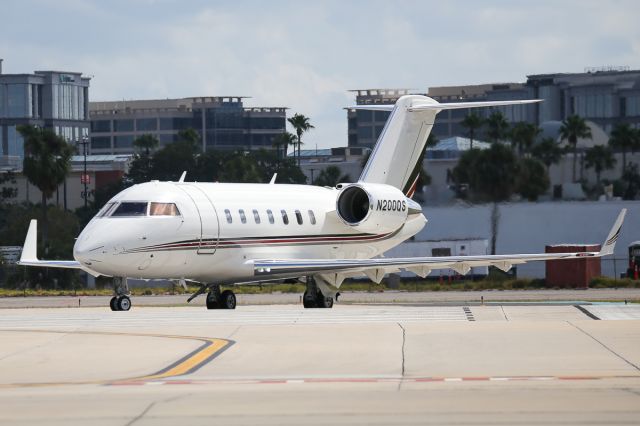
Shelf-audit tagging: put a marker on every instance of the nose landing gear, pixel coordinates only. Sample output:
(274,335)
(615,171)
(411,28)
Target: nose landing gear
(120,302)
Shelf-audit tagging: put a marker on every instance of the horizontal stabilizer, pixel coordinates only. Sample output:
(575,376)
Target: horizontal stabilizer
(449,105)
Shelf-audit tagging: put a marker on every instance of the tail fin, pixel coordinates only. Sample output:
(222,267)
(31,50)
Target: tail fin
(609,244)
(393,160)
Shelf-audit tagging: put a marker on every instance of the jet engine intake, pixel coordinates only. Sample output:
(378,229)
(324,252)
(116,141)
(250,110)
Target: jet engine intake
(372,208)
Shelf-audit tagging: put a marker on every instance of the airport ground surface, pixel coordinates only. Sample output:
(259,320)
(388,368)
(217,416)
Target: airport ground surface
(395,297)
(353,364)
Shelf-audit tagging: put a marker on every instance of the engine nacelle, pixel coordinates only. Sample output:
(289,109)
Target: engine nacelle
(372,208)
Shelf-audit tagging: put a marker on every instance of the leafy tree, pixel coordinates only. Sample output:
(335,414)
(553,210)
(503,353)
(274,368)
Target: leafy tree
(547,151)
(599,157)
(169,162)
(523,136)
(624,138)
(240,167)
(141,166)
(7,192)
(146,144)
(269,163)
(573,128)
(497,127)
(302,125)
(283,140)
(532,180)
(489,173)
(64,227)
(472,122)
(47,162)
(331,177)
(631,181)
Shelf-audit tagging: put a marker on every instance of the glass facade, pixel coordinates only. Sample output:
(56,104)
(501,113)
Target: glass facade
(17,100)
(101,142)
(125,141)
(146,124)
(101,126)
(123,125)
(15,143)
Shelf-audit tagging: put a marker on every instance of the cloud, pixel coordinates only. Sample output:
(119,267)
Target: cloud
(306,55)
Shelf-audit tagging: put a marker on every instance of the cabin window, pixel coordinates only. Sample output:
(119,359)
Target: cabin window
(312,217)
(299,217)
(270,215)
(243,218)
(106,209)
(163,209)
(130,209)
(256,216)
(285,218)
(227,213)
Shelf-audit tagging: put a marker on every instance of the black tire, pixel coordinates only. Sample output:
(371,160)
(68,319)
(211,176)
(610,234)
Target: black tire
(323,301)
(308,301)
(113,303)
(228,300)
(123,303)
(212,303)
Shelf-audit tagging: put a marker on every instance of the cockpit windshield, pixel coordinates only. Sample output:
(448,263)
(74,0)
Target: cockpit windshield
(138,208)
(164,209)
(129,208)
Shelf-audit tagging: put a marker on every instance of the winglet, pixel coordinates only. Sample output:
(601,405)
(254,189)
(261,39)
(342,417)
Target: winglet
(273,179)
(610,243)
(184,175)
(29,250)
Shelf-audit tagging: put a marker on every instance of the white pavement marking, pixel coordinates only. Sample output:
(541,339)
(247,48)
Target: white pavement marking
(615,312)
(256,315)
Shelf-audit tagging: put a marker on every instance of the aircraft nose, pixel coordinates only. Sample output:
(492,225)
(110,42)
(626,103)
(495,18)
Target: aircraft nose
(87,250)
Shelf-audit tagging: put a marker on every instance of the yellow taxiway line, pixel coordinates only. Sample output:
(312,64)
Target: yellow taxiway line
(188,364)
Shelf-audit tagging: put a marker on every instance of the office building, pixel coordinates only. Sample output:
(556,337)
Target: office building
(221,122)
(55,100)
(604,96)
(364,127)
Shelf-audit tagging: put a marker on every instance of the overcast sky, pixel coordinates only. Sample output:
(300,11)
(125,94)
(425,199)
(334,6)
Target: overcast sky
(306,54)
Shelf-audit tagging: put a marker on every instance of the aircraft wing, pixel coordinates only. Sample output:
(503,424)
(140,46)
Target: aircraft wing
(29,255)
(336,270)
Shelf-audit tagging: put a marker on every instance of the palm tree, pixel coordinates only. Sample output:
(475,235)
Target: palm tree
(523,135)
(574,127)
(497,127)
(547,151)
(283,140)
(599,157)
(472,122)
(146,143)
(624,138)
(46,164)
(302,125)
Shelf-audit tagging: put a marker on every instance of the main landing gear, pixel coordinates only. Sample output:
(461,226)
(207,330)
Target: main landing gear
(314,297)
(120,302)
(220,300)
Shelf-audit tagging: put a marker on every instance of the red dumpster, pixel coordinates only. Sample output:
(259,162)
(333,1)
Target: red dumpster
(573,273)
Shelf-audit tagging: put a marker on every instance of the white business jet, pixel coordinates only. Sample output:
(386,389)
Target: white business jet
(229,234)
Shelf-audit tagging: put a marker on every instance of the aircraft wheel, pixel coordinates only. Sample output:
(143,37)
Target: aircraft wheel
(308,301)
(123,303)
(325,302)
(228,300)
(212,301)
(113,303)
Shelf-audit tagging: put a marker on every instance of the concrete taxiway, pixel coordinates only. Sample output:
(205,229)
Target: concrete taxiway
(354,364)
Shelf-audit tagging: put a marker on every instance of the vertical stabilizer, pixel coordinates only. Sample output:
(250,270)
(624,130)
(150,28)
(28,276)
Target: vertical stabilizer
(400,144)
(393,160)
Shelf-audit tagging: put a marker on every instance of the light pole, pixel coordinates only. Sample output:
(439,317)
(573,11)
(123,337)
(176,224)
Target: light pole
(85,179)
